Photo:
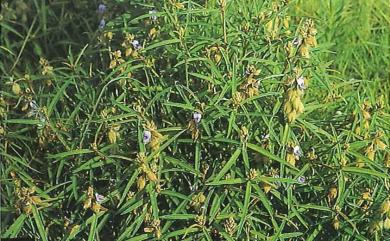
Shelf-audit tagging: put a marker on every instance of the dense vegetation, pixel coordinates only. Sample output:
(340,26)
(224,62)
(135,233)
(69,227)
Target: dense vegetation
(195,120)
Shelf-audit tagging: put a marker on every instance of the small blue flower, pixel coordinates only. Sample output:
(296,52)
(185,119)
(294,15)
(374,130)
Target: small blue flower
(297,151)
(197,117)
(136,44)
(102,8)
(153,13)
(99,198)
(301,179)
(147,136)
(301,83)
(102,23)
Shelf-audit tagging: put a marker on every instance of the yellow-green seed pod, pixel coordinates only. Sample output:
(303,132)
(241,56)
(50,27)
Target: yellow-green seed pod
(201,197)
(141,182)
(336,223)
(266,187)
(291,159)
(128,52)
(287,107)
(311,41)
(27,208)
(112,136)
(304,51)
(217,58)
(16,88)
(295,103)
(380,144)
(286,22)
(151,176)
(386,223)
(36,200)
(332,193)
(387,160)
(291,94)
(87,203)
(385,207)
(96,207)
(292,116)
(370,152)
(300,108)
(269,26)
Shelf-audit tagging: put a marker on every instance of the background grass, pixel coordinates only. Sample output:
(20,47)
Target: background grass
(82,126)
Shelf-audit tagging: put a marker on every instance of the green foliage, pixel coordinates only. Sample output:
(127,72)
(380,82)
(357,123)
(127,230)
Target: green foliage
(195,120)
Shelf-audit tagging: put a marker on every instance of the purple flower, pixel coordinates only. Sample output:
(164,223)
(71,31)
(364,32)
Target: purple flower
(102,8)
(301,83)
(147,136)
(301,179)
(197,117)
(99,198)
(102,23)
(297,151)
(136,44)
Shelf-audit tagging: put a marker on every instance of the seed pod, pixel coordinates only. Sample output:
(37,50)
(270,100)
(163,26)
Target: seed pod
(291,159)
(311,41)
(128,52)
(360,163)
(269,26)
(292,116)
(287,107)
(151,176)
(366,114)
(141,182)
(379,144)
(87,203)
(217,58)
(36,200)
(387,160)
(96,207)
(112,136)
(201,197)
(300,107)
(336,223)
(370,152)
(286,22)
(304,51)
(244,134)
(152,33)
(112,64)
(266,187)
(27,208)
(16,88)
(295,103)
(386,223)
(385,207)
(332,193)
